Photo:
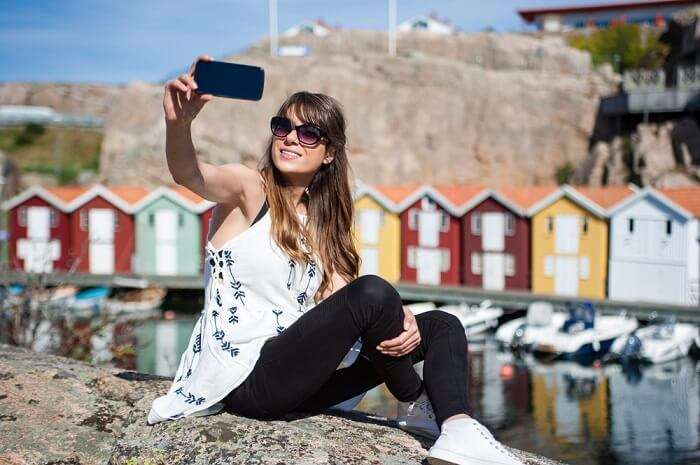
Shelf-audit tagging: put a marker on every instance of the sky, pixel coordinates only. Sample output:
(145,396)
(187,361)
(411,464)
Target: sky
(118,41)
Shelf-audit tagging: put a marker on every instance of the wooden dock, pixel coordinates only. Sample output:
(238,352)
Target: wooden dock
(443,294)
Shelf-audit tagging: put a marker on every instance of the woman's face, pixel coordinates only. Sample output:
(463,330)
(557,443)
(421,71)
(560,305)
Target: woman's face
(303,159)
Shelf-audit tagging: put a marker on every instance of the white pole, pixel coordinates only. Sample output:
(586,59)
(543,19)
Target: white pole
(273,27)
(392,28)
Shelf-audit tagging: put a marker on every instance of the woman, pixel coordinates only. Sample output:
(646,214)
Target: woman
(283,300)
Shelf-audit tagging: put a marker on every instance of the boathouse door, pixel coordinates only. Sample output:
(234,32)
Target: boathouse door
(34,250)
(166,241)
(101,237)
(428,264)
(494,271)
(566,276)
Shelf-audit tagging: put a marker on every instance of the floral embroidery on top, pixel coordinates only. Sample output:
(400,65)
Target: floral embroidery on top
(219,260)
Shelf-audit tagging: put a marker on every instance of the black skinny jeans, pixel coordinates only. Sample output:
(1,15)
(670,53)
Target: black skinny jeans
(296,371)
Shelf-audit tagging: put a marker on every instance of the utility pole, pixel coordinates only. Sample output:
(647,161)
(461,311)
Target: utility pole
(273,27)
(392,28)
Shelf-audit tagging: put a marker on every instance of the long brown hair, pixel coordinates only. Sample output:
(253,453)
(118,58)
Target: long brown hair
(330,208)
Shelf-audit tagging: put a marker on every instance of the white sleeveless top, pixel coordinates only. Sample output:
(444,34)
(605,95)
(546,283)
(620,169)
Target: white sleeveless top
(253,291)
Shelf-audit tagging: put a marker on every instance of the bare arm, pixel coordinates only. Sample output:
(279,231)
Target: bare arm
(181,104)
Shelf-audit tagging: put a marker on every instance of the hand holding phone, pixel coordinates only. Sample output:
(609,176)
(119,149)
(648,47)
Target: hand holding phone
(181,103)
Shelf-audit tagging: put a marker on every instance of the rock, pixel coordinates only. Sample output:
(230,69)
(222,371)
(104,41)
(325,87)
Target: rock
(55,410)
(498,108)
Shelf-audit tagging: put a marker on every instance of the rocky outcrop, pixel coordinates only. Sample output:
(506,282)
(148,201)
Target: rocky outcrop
(55,410)
(487,107)
(656,154)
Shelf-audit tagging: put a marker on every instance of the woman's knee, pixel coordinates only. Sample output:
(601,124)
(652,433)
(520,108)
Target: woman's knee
(447,320)
(375,290)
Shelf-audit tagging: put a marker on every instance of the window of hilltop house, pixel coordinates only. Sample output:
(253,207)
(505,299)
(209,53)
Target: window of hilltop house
(476,263)
(550,225)
(630,225)
(510,224)
(413,219)
(151,219)
(476,224)
(22,216)
(669,227)
(444,222)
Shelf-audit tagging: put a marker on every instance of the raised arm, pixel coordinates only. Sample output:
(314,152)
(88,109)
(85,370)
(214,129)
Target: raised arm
(181,104)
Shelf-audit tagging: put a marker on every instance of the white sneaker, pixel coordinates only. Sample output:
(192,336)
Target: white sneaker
(418,417)
(465,441)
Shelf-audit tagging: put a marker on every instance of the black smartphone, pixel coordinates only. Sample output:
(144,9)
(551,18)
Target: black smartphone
(230,80)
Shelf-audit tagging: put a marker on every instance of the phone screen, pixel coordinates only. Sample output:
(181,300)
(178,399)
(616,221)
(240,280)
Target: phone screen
(230,80)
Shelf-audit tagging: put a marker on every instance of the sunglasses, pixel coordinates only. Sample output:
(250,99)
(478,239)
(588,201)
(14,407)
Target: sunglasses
(307,133)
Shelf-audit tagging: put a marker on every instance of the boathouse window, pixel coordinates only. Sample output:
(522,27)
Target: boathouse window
(509,264)
(445,255)
(476,224)
(476,263)
(180,220)
(444,222)
(83,220)
(550,225)
(669,227)
(116,222)
(413,219)
(630,225)
(584,270)
(411,259)
(548,266)
(151,219)
(510,224)
(53,215)
(22,216)
(584,225)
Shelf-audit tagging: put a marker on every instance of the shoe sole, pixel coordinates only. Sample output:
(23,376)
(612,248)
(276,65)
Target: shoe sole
(444,457)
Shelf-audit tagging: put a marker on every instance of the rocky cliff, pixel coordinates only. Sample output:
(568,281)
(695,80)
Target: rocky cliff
(490,107)
(55,410)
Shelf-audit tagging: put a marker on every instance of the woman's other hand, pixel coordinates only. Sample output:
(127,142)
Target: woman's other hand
(180,102)
(405,342)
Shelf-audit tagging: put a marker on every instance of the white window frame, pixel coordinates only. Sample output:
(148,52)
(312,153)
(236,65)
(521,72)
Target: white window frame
(476,265)
(476,224)
(411,256)
(584,267)
(548,270)
(444,259)
(509,264)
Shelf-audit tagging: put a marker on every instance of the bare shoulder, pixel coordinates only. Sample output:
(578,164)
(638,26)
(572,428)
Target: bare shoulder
(252,192)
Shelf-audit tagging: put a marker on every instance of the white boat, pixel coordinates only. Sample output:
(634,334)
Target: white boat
(521,333)
(476,319)
(658,342)
(584,335)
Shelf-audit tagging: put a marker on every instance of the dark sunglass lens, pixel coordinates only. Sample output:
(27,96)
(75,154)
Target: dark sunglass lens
(280,126)
(309,134)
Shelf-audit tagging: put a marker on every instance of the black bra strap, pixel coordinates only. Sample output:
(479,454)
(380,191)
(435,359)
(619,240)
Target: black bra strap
(261,213)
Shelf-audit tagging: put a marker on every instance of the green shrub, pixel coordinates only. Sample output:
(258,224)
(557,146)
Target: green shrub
(625,46)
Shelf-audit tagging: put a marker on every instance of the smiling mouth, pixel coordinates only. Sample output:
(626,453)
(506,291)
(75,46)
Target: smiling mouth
(289,155)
